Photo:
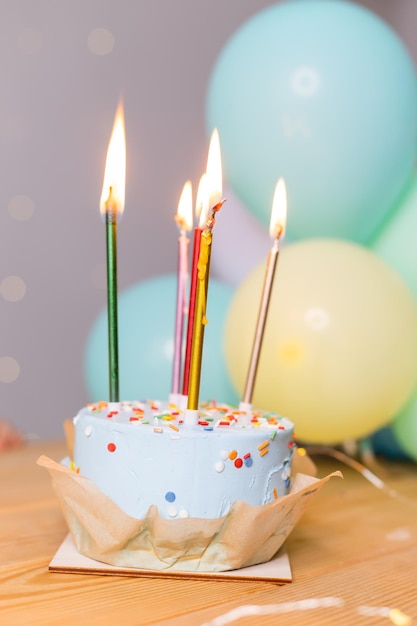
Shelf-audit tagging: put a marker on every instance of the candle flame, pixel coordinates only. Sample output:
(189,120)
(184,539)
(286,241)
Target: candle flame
(202,201)
(214,170)
(113,193)
(279,211)
(184,216)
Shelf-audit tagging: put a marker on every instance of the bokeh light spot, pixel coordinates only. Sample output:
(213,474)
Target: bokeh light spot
(13,288)
(21,208)
(9,369)
(100,41)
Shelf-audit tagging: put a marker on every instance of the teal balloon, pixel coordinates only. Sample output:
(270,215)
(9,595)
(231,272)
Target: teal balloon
(384,443)
(395,242)
(323,93)
(146,317)
(404,427)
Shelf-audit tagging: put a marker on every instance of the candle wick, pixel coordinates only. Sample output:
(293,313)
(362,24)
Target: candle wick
(110,199)
(181,223)
(111,204)
(279,231)
(211,220)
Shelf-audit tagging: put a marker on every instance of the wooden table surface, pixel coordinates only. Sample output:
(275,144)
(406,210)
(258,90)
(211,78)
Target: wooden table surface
(353,558)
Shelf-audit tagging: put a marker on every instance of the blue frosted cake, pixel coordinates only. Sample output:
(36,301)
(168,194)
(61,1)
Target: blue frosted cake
(142,454)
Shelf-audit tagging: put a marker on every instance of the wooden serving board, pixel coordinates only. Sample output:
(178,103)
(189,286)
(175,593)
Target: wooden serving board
(68,560)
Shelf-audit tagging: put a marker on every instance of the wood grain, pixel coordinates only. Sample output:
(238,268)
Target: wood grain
(356,543)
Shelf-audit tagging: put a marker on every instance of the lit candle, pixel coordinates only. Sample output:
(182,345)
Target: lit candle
(184,219)
(277,231)
(111,206)
(214,186)
(201,210)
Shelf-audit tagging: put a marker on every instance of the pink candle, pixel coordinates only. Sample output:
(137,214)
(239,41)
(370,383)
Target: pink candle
(184,220)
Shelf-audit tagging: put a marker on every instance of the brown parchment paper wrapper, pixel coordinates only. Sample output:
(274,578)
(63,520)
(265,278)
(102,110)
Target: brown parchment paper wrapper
(247,535)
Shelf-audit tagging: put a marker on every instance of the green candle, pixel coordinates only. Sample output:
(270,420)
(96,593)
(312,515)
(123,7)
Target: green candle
(111,206)
(111,247)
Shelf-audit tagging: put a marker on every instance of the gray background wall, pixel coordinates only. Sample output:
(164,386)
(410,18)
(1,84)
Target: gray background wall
(60,81)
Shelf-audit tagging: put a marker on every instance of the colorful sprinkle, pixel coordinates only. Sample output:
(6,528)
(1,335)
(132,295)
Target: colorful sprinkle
(224,454)
(248,462)
(111,447)
(263,445)
(219,467)
(263,452)
(158,430)
(275,494)
(174,427)
(170,496)
(238,462)
(232,455)
(273,435)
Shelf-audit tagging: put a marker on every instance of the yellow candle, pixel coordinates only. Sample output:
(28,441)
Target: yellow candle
(200,319)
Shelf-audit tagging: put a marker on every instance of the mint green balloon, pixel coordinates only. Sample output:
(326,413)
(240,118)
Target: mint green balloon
(323,93)
(396,241)
(146,315)
(404,428)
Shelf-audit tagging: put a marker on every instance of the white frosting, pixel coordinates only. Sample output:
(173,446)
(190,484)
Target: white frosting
(144,455)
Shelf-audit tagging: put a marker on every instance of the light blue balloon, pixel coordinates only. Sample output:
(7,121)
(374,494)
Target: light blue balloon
(324,94)
(146,316)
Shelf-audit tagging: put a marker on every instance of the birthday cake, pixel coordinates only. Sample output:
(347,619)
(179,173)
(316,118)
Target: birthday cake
(143,454)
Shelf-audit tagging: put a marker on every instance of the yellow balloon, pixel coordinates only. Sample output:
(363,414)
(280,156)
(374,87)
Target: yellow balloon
(339,354)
